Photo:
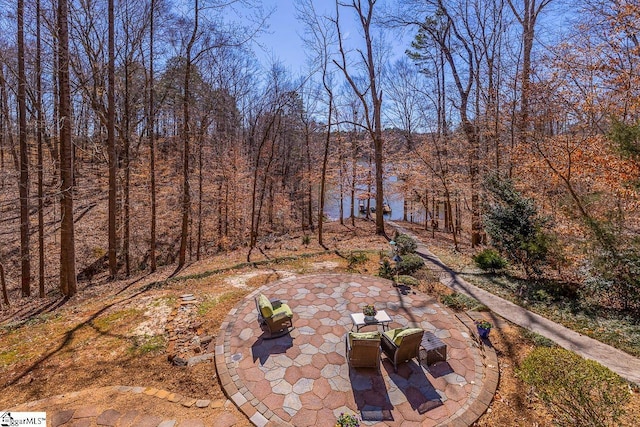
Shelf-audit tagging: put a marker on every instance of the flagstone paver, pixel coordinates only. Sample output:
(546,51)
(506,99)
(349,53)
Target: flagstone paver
(61,417)
(302,378)
(108,418)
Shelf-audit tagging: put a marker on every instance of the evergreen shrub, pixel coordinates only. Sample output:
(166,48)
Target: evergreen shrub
(579,392)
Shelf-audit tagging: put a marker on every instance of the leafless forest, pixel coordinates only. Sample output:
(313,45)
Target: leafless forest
(140,133)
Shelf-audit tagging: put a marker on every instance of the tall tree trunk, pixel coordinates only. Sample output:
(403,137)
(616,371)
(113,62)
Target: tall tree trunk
(6,117)
(55,146)
(341,178)
(3,283)
(309,179)
(39,136)
(25,259)
(186,197)
(126,148)
(325,161)
(152,142)
(200,189)
(111,148)
(354,169)
(68,285)
(2,121)
(528,26)
(527,19)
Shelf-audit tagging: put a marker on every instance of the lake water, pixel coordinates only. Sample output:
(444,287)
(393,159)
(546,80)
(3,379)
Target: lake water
(393,196)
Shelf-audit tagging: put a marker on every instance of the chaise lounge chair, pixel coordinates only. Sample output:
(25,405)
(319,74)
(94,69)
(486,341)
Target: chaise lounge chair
(363,349)
(274,317)
(401,345)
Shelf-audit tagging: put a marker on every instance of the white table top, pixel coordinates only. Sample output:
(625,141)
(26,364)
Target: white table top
(381,317)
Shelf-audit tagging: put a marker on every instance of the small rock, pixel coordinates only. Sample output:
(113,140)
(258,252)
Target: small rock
(174,398)
(179,361)
(151,391)
(202,403)
(217,404)
(162,394)
(199,359)
(188,402)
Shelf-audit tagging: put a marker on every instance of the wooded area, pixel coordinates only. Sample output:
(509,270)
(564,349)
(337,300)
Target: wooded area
(141,133)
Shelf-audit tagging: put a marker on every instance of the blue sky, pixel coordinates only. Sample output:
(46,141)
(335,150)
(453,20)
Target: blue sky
(283,41)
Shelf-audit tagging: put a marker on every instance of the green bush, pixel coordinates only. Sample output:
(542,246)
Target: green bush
(614,273)
(385,270)
(408,280)
(410,263)
(578,391)
(306,240)
(515,227)
(356,258)
(405,244)
(489,260)
(537,339)
(461,302)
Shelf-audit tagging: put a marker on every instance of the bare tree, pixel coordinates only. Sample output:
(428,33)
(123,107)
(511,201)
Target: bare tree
(186,190)
(25,259)
(453,34)
(111,146)
(320,38)
(527,15)
(3,283)
(68,285)
(152,139)
(370,96)
(39,136)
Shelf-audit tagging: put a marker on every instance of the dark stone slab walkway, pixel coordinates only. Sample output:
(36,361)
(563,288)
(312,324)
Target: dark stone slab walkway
(302,379)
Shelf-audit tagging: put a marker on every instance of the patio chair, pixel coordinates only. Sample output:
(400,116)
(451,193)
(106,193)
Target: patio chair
(401,345)
(363,349)
(274,317)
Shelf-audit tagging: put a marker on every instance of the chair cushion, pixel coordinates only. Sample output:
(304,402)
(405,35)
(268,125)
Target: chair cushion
(363,336)
(397,339)
(283,309)
(265,306)
(391,334)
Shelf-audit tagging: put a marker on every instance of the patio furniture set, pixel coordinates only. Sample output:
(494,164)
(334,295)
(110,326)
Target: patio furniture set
(363,349)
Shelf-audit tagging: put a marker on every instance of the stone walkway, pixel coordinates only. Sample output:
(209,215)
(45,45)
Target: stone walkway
(618,361)
(303,379)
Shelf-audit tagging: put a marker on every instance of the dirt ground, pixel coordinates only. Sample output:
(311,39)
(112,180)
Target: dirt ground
(116,333)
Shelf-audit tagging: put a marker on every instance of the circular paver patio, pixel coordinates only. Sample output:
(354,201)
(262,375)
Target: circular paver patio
(303,379)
